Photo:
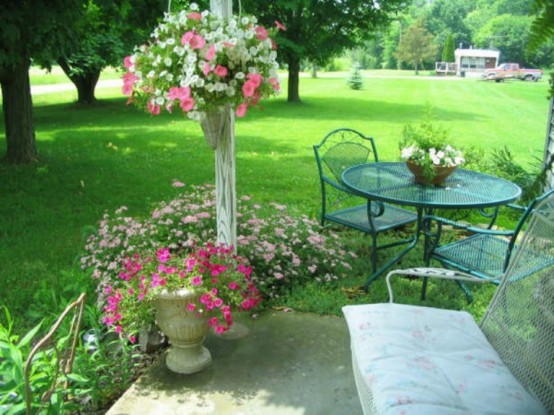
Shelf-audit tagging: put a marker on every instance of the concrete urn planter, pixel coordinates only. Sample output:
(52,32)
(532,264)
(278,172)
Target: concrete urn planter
(186,331)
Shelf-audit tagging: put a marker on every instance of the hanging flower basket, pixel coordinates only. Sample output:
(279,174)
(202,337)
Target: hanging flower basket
(197,62)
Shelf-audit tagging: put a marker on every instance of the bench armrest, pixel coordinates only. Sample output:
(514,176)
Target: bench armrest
(430,272)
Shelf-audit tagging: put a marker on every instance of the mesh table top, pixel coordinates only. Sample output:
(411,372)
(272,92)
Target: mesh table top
(392,182)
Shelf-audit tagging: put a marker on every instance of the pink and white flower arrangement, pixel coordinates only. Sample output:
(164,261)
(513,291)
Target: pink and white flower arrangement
(221,279)
(199,62)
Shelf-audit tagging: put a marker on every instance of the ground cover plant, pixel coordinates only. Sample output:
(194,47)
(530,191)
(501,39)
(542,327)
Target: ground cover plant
(95,160)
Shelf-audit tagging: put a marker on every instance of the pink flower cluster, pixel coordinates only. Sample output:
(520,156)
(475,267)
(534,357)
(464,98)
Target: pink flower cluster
(222,279)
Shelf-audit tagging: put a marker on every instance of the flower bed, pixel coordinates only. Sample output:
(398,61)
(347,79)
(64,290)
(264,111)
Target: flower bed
(283,250)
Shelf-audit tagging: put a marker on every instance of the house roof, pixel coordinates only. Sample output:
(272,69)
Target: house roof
(481,53)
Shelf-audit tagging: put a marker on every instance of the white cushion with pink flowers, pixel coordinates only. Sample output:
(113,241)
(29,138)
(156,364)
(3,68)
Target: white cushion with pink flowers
(418,360)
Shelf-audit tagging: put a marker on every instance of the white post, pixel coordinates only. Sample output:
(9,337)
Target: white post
(225,189)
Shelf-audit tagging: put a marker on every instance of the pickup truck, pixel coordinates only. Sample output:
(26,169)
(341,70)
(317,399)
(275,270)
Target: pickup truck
(512,71)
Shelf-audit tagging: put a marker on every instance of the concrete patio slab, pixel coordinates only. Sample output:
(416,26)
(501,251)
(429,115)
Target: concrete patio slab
(288,364)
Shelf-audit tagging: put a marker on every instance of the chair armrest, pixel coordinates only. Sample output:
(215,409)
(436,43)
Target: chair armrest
(469,227)
(433,273)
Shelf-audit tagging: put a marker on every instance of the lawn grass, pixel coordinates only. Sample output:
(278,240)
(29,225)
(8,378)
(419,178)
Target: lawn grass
(97,159)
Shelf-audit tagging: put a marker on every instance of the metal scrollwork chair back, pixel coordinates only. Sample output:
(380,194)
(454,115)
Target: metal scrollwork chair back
(340,149)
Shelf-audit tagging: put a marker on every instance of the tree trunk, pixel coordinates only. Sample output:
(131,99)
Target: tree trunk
(416,68)
(17,104)
(294,79)
(85,83)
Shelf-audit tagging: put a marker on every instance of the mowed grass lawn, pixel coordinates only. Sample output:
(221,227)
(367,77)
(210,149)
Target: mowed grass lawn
(100,158)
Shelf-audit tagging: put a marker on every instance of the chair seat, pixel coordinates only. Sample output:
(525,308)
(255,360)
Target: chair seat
(487,254)
(356,217)
(426,361)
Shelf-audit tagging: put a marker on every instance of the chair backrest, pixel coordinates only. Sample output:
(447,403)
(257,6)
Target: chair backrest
(519,322)
(522,222)
(343,148)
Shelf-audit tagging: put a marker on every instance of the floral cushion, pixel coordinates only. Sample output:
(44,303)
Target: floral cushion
(421,360)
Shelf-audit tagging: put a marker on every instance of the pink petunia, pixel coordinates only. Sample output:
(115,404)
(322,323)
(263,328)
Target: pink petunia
(220,71)
(153,109)
(248,89)
(274,82)
(191,306)
(280,26)
(210,54)
(197,42)
(255,78)
(127,62)
(194,16)
(187,104)
(163,255)
(241,109)
(261,33)
(206,69)
(187,37)
(178,93)
(196,280)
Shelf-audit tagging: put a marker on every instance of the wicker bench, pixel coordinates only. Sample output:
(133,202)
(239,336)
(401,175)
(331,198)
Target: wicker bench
(422,360)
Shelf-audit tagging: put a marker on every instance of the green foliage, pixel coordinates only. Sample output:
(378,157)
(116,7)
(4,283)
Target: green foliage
(36,29)
(508,33)
(319,30)
(503,164)
(541,28)
(355,80)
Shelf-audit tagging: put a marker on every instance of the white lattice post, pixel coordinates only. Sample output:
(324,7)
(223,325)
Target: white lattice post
(225,160)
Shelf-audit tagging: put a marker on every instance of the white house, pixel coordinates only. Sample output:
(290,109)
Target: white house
(472,62)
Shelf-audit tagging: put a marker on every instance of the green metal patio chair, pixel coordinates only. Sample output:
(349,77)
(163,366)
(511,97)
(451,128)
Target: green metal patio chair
(487,253)
(344,148)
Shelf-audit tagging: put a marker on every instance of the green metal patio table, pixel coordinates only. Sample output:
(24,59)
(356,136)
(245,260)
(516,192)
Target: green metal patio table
(392,182)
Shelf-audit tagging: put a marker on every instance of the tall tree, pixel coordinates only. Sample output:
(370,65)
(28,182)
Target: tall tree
(319,29)
(416,45)
(449,49)
(30,29)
